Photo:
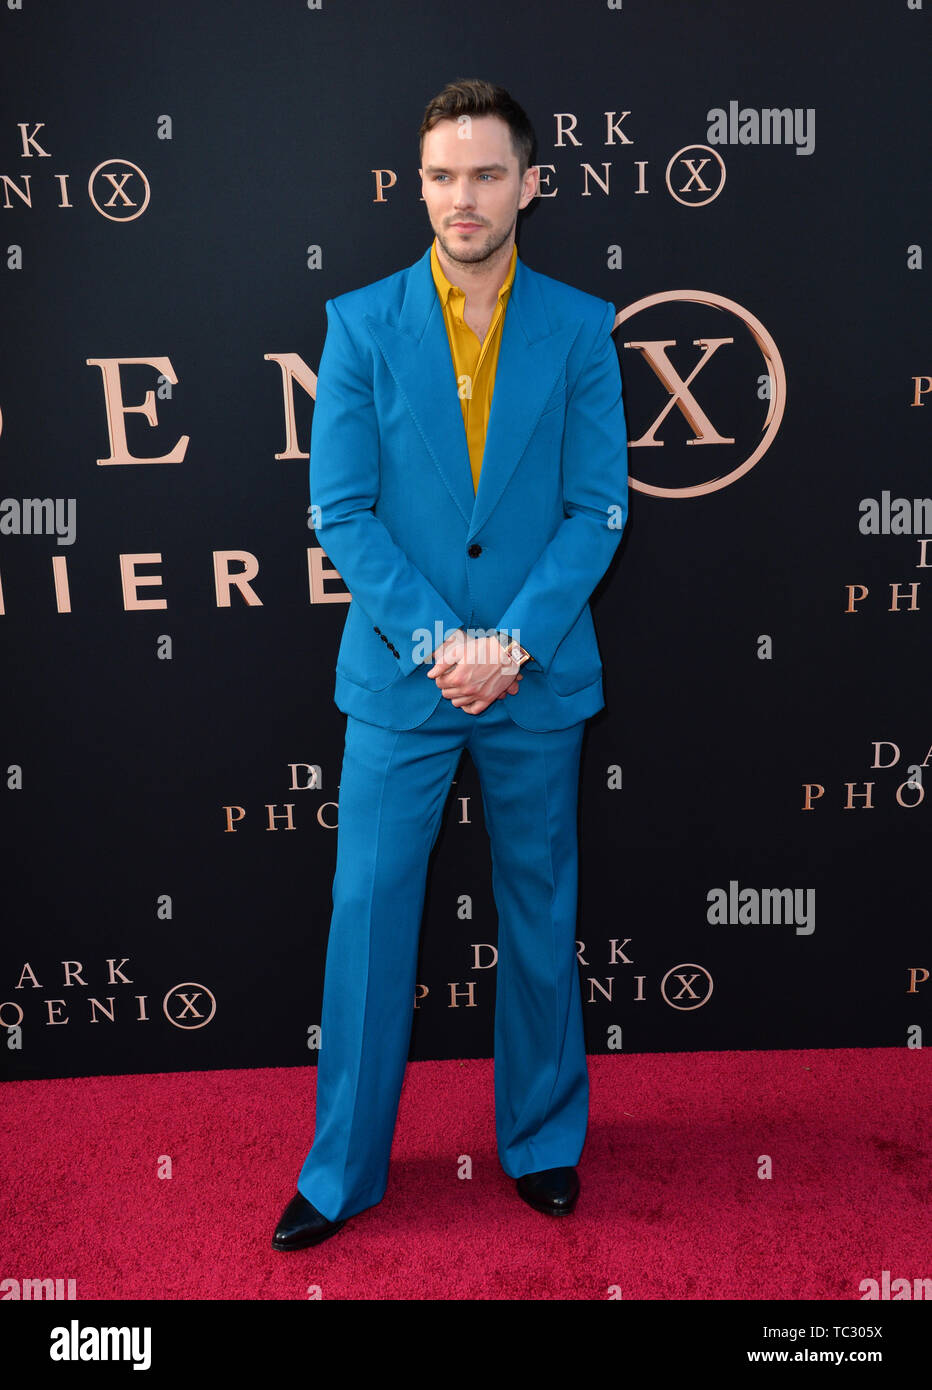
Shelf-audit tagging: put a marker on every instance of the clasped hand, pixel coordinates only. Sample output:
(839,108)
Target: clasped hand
(472,672)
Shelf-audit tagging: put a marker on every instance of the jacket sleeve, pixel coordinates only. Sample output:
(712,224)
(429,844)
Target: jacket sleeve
(595,500)
(344,484)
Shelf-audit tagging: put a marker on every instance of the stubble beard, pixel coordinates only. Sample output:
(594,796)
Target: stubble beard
(474,255)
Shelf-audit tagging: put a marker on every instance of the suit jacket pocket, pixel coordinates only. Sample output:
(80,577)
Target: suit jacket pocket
(576,663)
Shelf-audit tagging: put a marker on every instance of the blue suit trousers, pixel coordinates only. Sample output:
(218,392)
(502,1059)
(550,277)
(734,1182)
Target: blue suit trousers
(393,789)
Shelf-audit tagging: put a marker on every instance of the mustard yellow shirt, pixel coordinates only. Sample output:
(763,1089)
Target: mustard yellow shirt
(473,362)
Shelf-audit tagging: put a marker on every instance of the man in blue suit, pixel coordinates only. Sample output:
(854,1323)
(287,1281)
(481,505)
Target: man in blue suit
(468,460)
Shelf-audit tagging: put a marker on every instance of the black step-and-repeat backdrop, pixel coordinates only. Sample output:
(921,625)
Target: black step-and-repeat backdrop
(181,189)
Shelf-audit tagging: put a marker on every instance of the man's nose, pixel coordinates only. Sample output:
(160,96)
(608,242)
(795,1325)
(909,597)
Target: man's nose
(464,196)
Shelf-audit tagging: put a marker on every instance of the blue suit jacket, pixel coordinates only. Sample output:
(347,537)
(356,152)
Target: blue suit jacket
(419,551)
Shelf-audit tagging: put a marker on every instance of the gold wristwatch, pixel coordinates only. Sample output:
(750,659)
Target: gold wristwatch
(513,649)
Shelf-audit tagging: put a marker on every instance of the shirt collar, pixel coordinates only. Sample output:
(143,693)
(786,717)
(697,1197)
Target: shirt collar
(445,288)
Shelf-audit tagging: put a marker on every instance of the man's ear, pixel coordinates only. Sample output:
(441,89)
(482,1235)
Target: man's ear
(530,184)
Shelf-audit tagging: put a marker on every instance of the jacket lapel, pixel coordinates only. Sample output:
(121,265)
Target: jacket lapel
(530,363)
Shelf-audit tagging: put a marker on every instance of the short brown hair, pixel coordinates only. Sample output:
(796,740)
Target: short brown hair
(470,96)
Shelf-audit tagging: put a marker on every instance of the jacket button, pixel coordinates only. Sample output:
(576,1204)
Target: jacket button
(474,550)
(378,630)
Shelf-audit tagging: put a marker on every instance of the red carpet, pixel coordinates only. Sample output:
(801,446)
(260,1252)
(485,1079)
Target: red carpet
(671,1208)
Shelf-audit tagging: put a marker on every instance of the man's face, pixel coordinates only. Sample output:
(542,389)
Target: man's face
(472,186)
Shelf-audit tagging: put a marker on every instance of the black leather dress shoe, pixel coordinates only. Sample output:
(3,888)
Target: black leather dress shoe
(302,1225)
(553,1191)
